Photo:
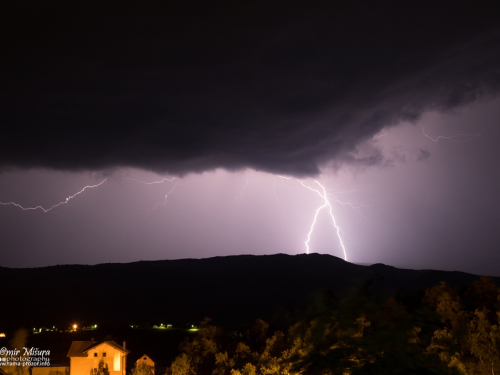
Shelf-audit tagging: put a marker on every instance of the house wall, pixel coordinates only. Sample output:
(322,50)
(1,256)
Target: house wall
(114,358)
(148,361)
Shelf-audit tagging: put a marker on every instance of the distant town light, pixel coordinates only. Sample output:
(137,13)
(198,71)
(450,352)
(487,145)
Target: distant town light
(2,334)
(75,326)
(193,328)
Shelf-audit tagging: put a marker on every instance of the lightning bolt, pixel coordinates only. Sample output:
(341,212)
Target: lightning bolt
(166,197)
(242,192)
(380,134)
(158,182)
(323,195)
(460,138)
(321,191)
(92,187)
(153,182)
(356,206)
(55,205)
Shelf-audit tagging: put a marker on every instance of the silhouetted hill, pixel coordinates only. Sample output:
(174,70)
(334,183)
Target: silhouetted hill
(179,292)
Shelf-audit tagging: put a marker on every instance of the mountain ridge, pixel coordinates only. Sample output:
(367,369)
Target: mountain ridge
(184,291)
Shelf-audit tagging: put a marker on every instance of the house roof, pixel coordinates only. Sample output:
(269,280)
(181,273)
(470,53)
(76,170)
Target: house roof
(78,348)
(145,355)
(110,343)
(81,348)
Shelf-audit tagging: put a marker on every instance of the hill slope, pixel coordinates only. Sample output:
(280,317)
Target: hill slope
(185,291)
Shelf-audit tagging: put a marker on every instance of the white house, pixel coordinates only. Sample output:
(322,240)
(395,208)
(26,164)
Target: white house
(85,356)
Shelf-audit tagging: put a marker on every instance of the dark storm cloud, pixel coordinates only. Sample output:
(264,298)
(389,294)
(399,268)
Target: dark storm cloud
(276,86)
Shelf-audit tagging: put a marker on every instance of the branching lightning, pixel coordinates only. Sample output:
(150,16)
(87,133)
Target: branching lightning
(55,205)
(322,194)
(318,188)
(158,182)
(326,204)
(91,187)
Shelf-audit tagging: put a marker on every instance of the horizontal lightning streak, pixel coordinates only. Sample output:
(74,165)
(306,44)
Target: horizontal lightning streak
(457,138)
(91,187)
(151,183)
(55,205)
(356,206)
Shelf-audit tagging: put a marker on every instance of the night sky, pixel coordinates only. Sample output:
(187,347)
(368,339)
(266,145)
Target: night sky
(239,108)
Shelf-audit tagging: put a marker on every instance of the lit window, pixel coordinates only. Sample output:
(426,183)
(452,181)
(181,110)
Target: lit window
(117,361)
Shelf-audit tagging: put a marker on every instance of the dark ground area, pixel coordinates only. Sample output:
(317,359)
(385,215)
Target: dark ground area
(230,290)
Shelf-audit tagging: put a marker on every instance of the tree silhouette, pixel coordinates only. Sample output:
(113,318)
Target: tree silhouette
(143,369)
(102,369)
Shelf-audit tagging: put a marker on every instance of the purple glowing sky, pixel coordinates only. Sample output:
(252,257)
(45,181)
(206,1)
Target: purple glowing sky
(226,99)
(419,210)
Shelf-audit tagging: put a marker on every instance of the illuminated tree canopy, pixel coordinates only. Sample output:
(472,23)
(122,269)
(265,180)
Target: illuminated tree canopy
(448,332)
